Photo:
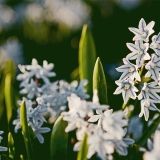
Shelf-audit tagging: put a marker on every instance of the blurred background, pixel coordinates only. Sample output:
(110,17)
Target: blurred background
(51,29)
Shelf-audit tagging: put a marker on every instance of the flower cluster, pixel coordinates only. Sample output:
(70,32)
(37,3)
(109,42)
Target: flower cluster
(131,73)
(45,99)
(105,136)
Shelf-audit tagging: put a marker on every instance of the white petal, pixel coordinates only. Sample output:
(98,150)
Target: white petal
(135,31)
(142,25)
(94,118)
(132,47)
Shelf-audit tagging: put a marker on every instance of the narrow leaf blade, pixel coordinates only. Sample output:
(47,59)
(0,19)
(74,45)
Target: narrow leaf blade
(25,130)
(87,57)
(8,95)
(11,146)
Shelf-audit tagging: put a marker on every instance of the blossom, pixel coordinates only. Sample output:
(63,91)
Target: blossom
(111,122)
(31,90)
(127,89)
(147,105)
(153,67)
(154,154)
(98,143)
(139,52)
(45,72)
(122,144)
(38,130)
(155,45)
(149,91)
(144,31)
(129,71)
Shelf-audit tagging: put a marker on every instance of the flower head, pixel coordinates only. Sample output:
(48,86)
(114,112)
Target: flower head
(144,31)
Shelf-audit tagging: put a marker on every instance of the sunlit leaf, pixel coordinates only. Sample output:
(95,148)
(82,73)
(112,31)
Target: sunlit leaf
(11,147)
(99,82)
(87,57)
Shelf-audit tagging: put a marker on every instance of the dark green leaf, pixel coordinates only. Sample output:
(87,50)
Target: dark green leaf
(59,140)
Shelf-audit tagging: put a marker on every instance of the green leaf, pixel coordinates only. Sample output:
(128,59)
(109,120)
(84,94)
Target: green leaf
(8,96)
(99,82)
(87,57)
(82,154)
(59,140)
(11,146)
(25,130)
(147,134)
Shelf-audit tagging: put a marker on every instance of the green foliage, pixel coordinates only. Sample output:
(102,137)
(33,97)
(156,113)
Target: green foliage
(8,96)
(87,57)
(25,130)
(82,154)
(11,146)
(99,82)
(59,140)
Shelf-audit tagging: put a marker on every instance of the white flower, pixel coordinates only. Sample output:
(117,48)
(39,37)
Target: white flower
(147,105)
(143,32)
(45,72)
(154,154)
(155,45)
(153,67)
(129,71)
(122,144)
(74,122)
(127,89)
(38,130)
(99,144)
(139,52)
(31,90)
(34,68)
(111,122)
(149,91)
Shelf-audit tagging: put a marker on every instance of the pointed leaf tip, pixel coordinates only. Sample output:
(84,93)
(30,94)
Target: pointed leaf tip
(99,82)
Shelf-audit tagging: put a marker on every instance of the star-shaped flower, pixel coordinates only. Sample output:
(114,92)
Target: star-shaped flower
(127,89)
(139,52)
(129,71)
(143,31)
(149,91)
(147,105)
(153,67)
(155,45)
